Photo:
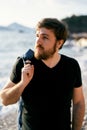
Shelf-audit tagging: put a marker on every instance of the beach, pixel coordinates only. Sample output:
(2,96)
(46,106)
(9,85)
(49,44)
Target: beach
(9,121)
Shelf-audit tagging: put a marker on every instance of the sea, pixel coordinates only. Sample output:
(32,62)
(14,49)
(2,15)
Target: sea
(14,44)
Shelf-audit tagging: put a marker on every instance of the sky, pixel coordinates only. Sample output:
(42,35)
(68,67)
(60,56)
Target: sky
(29,12)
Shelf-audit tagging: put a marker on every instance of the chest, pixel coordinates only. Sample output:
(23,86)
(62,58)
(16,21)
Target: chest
(51,82)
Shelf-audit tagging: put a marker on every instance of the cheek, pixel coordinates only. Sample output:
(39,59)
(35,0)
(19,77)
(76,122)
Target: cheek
(36,40)
(35,45)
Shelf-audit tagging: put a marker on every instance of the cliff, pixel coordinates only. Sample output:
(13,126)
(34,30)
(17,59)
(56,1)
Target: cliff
(76,24)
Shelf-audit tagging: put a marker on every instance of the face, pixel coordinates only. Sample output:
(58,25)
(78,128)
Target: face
(46,44)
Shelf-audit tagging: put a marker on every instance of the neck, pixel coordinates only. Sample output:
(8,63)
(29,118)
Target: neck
(52,61)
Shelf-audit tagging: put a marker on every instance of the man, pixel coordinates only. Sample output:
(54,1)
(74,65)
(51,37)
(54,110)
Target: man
(50,85)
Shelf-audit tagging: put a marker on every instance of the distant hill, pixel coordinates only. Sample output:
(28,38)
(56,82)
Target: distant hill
(76,24)
(3,28)
(20,28)
(17,27)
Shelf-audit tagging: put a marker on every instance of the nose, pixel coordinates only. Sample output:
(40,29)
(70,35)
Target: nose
(38,40)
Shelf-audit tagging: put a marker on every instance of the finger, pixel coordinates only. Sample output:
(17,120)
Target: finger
(27,62)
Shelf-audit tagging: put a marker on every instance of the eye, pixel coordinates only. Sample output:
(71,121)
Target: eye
(44,37)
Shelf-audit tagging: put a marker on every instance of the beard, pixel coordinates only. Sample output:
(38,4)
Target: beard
(42,54)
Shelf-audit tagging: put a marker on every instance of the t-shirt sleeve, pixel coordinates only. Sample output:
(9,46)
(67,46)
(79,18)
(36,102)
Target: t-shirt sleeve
(15,75)
(78,76)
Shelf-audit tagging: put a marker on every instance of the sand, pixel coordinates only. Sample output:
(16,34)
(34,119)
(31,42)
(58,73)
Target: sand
(9,121)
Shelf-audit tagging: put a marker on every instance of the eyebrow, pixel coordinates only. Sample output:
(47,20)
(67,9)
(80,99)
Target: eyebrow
(44,34)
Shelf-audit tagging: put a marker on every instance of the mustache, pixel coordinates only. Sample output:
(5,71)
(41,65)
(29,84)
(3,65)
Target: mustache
(39,46)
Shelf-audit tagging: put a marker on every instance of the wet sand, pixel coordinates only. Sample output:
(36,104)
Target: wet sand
(9,121)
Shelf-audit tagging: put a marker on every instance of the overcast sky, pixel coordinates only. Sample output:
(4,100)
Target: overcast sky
(28,12)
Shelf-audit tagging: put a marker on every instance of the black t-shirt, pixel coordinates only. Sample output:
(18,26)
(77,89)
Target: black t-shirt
(47,98)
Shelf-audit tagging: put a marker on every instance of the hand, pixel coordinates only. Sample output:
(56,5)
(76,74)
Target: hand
(27,73)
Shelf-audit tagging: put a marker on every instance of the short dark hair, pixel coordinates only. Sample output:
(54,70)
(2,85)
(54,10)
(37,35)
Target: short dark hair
(59,28)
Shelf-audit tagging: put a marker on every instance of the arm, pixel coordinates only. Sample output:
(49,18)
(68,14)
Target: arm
(78,109)
(11,93)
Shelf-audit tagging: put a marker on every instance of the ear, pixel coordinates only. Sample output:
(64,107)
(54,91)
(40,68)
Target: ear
(60,43)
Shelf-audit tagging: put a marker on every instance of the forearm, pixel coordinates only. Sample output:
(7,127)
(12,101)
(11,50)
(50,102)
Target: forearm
(78,116)
(11,95)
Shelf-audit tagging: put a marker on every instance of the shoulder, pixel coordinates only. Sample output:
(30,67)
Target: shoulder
(18,62)
(70,61)
(19,59)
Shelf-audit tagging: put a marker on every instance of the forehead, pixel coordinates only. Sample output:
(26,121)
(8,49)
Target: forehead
(44,31)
